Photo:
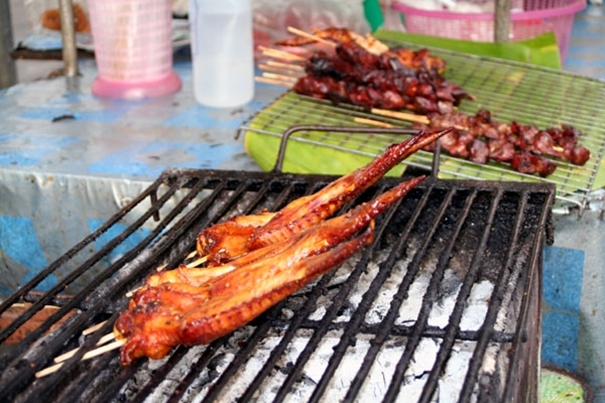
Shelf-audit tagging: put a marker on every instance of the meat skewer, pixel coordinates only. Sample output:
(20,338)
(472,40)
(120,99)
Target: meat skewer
(363,71)
(190,306)
(480,138)
(167,314)
(242,234)
(413,59)
(524,147)
(357,77)
(372,78)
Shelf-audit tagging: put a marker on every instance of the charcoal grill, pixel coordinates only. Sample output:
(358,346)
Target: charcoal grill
(444,305)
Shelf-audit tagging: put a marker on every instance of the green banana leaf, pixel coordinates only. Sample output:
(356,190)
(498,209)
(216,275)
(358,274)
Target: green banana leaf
(541,50)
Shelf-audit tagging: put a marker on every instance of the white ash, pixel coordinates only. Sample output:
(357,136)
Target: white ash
(383,367)
(477,304)
(455,372)
(382,303)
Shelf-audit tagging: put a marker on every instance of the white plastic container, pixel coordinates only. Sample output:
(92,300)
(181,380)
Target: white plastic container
(222,52)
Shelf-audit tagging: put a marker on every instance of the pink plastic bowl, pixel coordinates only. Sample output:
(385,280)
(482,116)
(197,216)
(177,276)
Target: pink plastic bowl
(538,18)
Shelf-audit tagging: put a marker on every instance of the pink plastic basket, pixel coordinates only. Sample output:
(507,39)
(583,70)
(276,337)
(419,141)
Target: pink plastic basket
(538,17)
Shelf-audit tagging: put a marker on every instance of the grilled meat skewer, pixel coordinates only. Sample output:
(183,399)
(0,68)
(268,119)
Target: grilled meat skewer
(237,236)
(167,314)
(480,138)
(357,77)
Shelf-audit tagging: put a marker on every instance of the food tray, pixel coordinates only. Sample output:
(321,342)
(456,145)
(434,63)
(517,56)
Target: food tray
(510,90)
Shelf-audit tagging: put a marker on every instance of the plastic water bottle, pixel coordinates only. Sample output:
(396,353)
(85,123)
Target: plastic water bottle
(222,52)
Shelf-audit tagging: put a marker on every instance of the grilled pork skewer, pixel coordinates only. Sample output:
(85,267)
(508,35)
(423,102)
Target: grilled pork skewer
(168,314)
(480,138)
(239,235)
(413,59)
(363,71)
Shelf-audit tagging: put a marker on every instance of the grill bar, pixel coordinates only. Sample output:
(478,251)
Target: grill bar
(427,302)
(320,332)
(296,324)
(355,323)
(430,296)
(453,326)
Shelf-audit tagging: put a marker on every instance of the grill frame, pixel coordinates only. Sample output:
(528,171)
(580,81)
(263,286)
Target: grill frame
(174,234)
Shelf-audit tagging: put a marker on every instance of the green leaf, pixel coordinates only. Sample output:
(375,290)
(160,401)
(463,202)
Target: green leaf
(541,50)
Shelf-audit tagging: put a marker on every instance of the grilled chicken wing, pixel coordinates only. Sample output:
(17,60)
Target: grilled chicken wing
(171,309)
(225,241)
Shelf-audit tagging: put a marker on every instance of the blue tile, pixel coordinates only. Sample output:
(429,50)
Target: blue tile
(560,339)
(83,107)
(25,150)
(150,159)
(50,113)
(18,240)
(204,117)
(563,272)
(572,62)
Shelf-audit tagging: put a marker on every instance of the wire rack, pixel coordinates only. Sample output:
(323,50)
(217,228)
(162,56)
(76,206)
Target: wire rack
(511,91)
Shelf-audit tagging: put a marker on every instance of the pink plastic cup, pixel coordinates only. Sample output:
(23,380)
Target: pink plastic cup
(133,48)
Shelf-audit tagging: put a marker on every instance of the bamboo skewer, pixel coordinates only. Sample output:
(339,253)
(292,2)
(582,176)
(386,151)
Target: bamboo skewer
(280,77)
(108,337)
(278,69)
(281,54)
(197,262)
(130,293)
(409,117)
(93,329)
(91,354)
(373,122)
(304,34)
(287,66)
(272,81)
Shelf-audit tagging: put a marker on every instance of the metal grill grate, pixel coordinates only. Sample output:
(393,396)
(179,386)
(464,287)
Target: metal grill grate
(511,91)
(444,304)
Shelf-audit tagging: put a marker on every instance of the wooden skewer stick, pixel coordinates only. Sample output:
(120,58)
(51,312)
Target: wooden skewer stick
(91,354)
(131,292)
(409,117)
(281,70)
(280,77)
(93,328)
(197,262)
(276,82)
(280,54)
(108,337)
(304,34)
(373,122)
(289,66)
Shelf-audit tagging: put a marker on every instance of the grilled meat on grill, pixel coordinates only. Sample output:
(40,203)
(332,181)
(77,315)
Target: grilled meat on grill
(283,252)
(162,315)
(412,59)
(480,138)
(235,237)
(355,76)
